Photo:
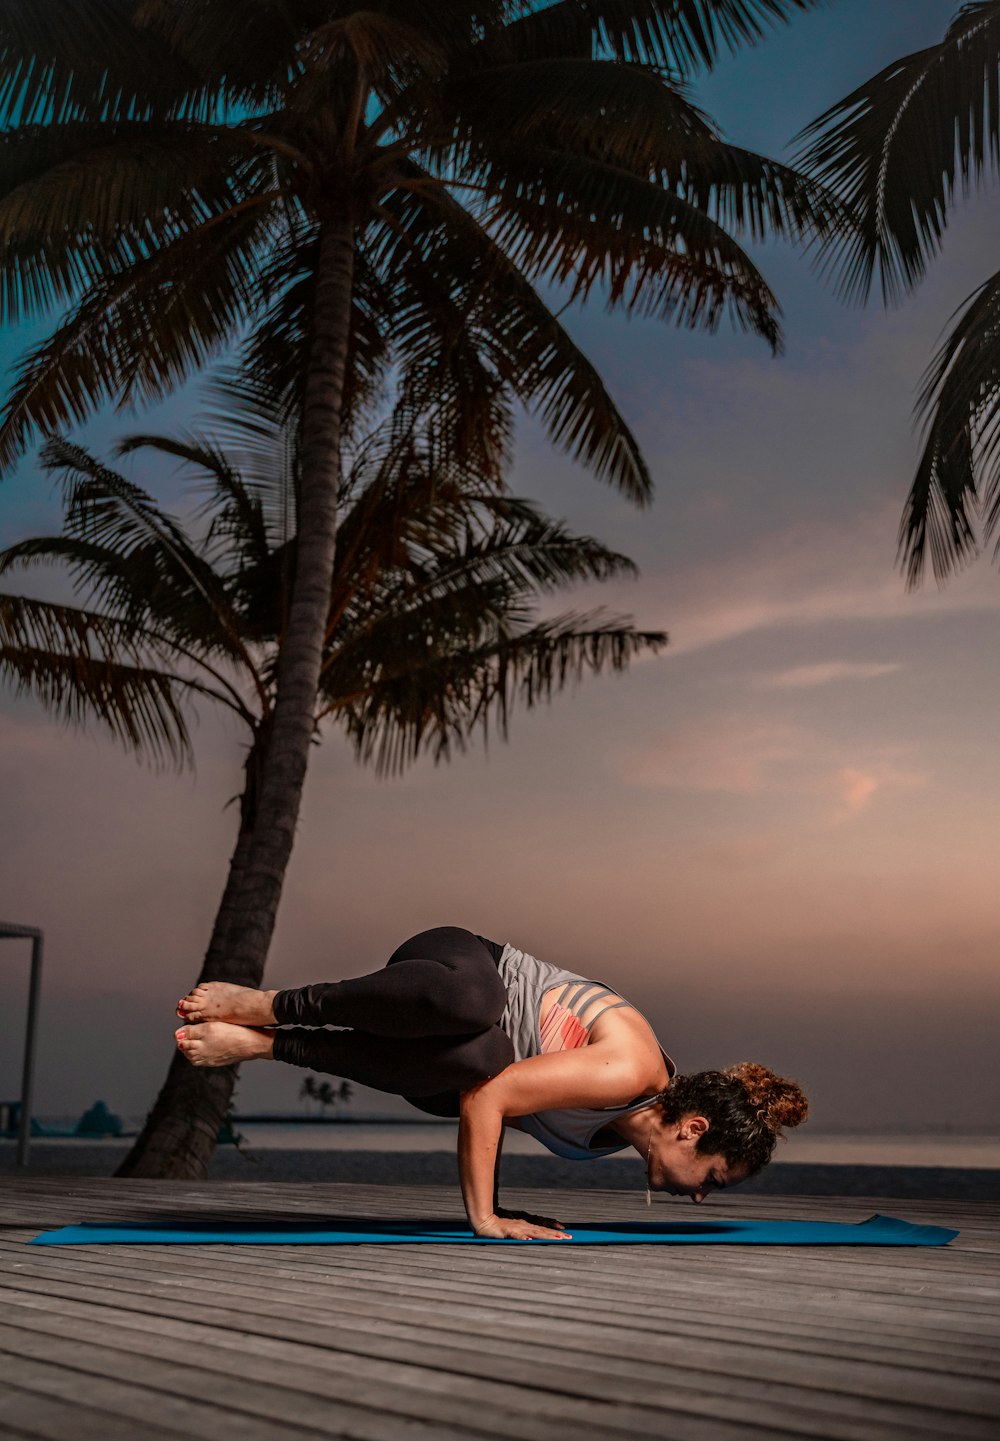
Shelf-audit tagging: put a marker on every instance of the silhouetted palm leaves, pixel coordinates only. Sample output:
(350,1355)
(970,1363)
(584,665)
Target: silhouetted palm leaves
(896,151)
(432,629)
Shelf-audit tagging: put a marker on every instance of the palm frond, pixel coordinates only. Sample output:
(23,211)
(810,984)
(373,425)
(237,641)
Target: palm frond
(580,221)
(956,490)
(436,702)
(84,667)
(109,579)
(70,59)
(254,73)
(134,336)
(388,49)
(588,106)
(895,149)
(81,202)
(683,35)
(461,275)
(161,570)
(630,118)
(234,509)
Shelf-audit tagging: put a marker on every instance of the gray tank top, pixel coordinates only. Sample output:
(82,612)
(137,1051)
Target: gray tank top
(566,1132)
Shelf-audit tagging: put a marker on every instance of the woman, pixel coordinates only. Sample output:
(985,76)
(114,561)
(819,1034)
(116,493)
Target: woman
(462,1026)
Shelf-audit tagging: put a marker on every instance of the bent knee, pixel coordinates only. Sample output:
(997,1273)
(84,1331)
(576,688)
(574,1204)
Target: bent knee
(479,1058)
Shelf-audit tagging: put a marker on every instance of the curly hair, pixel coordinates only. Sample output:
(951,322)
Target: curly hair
(746,1106)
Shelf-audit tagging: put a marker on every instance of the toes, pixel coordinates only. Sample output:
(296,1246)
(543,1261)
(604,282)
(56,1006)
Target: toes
(188,1006)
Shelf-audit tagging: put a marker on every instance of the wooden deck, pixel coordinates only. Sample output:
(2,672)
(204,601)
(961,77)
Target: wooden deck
(403,1343)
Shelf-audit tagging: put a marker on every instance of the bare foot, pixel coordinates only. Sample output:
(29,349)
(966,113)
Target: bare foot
(217,1044)
(221,1001)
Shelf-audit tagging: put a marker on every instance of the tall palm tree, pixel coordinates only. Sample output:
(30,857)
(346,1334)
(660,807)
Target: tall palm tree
(362,194)
(896,151)
(431,632)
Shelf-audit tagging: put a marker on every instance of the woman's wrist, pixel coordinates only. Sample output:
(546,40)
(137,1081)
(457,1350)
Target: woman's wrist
(478,1223)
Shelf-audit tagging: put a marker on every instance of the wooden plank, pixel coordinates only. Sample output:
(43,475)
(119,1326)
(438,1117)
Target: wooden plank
(965,1352)
(564,1409)
(23,1412)
(510,1272)
(505,1290)
(71,1379)
(511,1295)
(588,1337)
(717,1368)
(957,1352)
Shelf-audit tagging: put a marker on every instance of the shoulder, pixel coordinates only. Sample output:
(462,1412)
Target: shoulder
(626,1032)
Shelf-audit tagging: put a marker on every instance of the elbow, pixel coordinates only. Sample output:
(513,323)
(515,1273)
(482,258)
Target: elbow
(484,1099)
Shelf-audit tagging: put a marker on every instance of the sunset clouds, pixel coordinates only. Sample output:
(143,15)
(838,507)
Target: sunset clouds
(827,672)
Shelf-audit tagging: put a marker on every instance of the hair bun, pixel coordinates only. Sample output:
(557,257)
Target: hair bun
(779,1101)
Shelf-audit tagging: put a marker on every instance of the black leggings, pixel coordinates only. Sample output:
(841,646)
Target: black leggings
(425,1027)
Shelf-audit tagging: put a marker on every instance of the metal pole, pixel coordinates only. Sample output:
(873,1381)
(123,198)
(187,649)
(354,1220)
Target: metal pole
(28,933)
(27,1074)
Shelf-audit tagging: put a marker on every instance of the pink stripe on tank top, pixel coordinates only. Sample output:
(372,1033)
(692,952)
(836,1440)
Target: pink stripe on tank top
(562,1030)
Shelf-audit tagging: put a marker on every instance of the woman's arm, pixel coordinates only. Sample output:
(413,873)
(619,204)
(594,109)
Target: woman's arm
(501,1211)
(480,1134)
(596,1075)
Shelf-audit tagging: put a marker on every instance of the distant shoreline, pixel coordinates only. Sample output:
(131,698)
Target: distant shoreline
(535,1172)
(294,1118)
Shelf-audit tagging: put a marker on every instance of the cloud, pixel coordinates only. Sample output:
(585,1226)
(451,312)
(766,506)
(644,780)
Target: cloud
(731,754)
(807,575)
(748,756)
(856,788)
(825,672)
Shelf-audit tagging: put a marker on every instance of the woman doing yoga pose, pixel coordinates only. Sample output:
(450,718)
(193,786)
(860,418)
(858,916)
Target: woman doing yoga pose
(462,1026)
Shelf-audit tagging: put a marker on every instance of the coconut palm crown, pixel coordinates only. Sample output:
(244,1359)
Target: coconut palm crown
(433,632)
(898,151)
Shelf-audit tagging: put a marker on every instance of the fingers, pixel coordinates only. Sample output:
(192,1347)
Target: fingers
(509,1229)
(526,1231)
(546,1233)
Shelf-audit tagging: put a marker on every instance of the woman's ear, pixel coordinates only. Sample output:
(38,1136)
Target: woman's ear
(693,1127)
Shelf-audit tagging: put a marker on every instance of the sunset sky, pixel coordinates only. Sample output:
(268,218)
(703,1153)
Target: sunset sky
(778,838)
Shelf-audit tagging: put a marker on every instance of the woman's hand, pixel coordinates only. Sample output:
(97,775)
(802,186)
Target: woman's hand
(504,1215)
(502,1228)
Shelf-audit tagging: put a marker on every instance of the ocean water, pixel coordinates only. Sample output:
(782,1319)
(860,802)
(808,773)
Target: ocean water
(975,1151)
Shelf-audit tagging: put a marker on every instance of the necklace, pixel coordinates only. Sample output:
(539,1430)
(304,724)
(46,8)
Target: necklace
(649,1148)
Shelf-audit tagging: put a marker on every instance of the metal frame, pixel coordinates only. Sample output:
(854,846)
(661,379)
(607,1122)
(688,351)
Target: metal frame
(8,932)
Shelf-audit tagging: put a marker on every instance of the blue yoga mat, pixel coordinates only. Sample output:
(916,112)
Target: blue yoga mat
(876,1231)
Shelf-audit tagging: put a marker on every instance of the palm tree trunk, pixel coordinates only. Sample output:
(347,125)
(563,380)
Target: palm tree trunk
(293,721)
(181,1131)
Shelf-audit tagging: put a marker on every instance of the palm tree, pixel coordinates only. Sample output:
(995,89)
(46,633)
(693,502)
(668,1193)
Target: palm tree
(895,151)
(324,1093)
(357,195)
(431,633)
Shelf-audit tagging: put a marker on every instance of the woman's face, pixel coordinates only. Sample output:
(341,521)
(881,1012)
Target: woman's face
(675,1166)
